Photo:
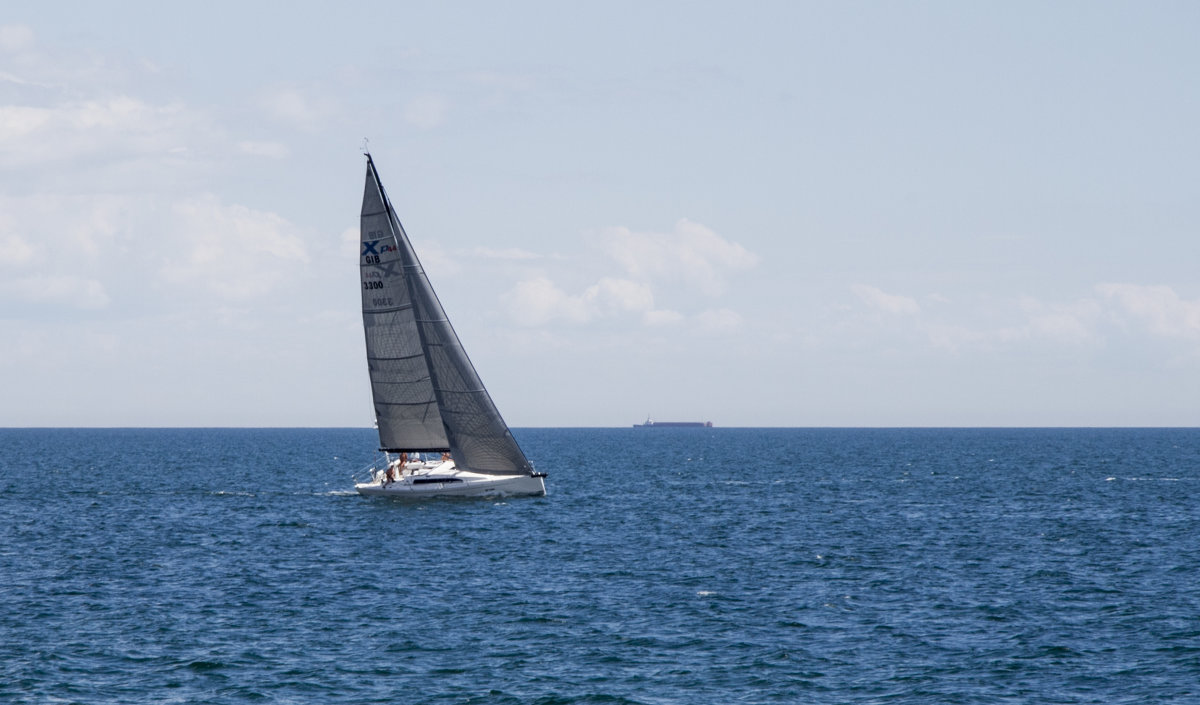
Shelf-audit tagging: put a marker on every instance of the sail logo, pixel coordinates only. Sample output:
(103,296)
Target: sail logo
(370,247)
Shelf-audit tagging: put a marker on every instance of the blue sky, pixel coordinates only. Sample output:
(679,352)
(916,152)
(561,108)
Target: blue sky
(764,214)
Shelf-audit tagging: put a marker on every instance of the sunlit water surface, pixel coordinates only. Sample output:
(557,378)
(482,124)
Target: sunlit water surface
(666,566)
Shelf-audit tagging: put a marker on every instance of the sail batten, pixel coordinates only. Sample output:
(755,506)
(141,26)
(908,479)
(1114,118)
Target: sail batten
(428,396)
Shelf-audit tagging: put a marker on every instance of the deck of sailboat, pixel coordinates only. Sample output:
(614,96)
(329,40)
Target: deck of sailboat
(444,479)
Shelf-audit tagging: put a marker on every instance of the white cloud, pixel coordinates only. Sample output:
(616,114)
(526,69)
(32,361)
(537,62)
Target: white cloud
(349,240)
(273,150)
(19,121)
(198,244)
(885,302)
(76,292)
(500,88)
(691,254)
(1161,309)
(425,111)
(442,262)
(509,253)
(690,258)
(515,83)
(7,77)
(1067,323)
(662,317)
(611,295)
(121,127)
(538,301)
(15,38)
(65,103)
(718,321)
(991,326)
(953,337)
(49,223)
(231,250)
(14,250)
(296,107)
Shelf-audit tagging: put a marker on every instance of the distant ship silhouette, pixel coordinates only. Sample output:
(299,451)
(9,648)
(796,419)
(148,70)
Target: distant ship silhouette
(650,423)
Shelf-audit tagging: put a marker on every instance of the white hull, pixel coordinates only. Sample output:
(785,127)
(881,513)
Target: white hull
(420,480)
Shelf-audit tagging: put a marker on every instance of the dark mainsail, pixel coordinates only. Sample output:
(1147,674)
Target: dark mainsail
(405,407)
(427,394)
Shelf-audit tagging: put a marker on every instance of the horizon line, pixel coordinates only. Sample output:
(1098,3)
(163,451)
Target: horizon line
(625,426)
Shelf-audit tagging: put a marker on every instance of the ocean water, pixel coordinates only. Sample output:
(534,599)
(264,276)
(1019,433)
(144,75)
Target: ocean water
(666,566)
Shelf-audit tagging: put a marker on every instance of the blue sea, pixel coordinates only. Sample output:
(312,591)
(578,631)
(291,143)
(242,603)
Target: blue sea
(665,566)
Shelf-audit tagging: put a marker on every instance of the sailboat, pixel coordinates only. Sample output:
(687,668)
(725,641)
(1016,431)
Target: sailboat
(440,434)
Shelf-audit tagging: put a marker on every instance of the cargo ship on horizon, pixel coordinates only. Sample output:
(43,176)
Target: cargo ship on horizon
(650,423)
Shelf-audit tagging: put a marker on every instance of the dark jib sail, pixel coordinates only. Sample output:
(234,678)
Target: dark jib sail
(427,394)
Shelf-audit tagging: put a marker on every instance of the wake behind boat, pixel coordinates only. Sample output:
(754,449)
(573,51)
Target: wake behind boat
(440,434)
